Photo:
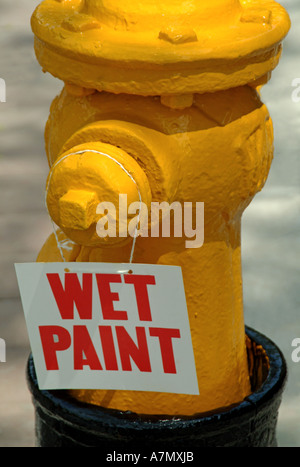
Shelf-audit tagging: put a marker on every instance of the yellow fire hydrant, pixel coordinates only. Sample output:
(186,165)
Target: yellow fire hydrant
(169,90)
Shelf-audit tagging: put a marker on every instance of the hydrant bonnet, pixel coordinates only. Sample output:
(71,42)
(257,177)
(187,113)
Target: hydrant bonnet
(159,48)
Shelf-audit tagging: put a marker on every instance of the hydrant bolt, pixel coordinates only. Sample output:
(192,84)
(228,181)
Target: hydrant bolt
(77,209)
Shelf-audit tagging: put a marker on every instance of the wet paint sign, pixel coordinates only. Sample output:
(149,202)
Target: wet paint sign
(108,326)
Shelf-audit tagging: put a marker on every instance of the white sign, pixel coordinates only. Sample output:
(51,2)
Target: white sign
(101,326)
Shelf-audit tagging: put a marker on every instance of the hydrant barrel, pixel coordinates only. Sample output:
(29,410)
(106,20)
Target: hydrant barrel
(169,90)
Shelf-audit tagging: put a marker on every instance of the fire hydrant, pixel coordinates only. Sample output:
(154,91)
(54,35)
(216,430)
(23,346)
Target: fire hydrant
(170,91)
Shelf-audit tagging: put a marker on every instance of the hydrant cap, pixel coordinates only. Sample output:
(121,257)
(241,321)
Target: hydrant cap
(161,47)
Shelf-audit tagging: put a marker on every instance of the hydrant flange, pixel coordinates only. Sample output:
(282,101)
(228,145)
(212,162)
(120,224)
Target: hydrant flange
(153,51)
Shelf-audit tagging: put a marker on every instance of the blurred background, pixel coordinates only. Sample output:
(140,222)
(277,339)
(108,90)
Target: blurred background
(271,225)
